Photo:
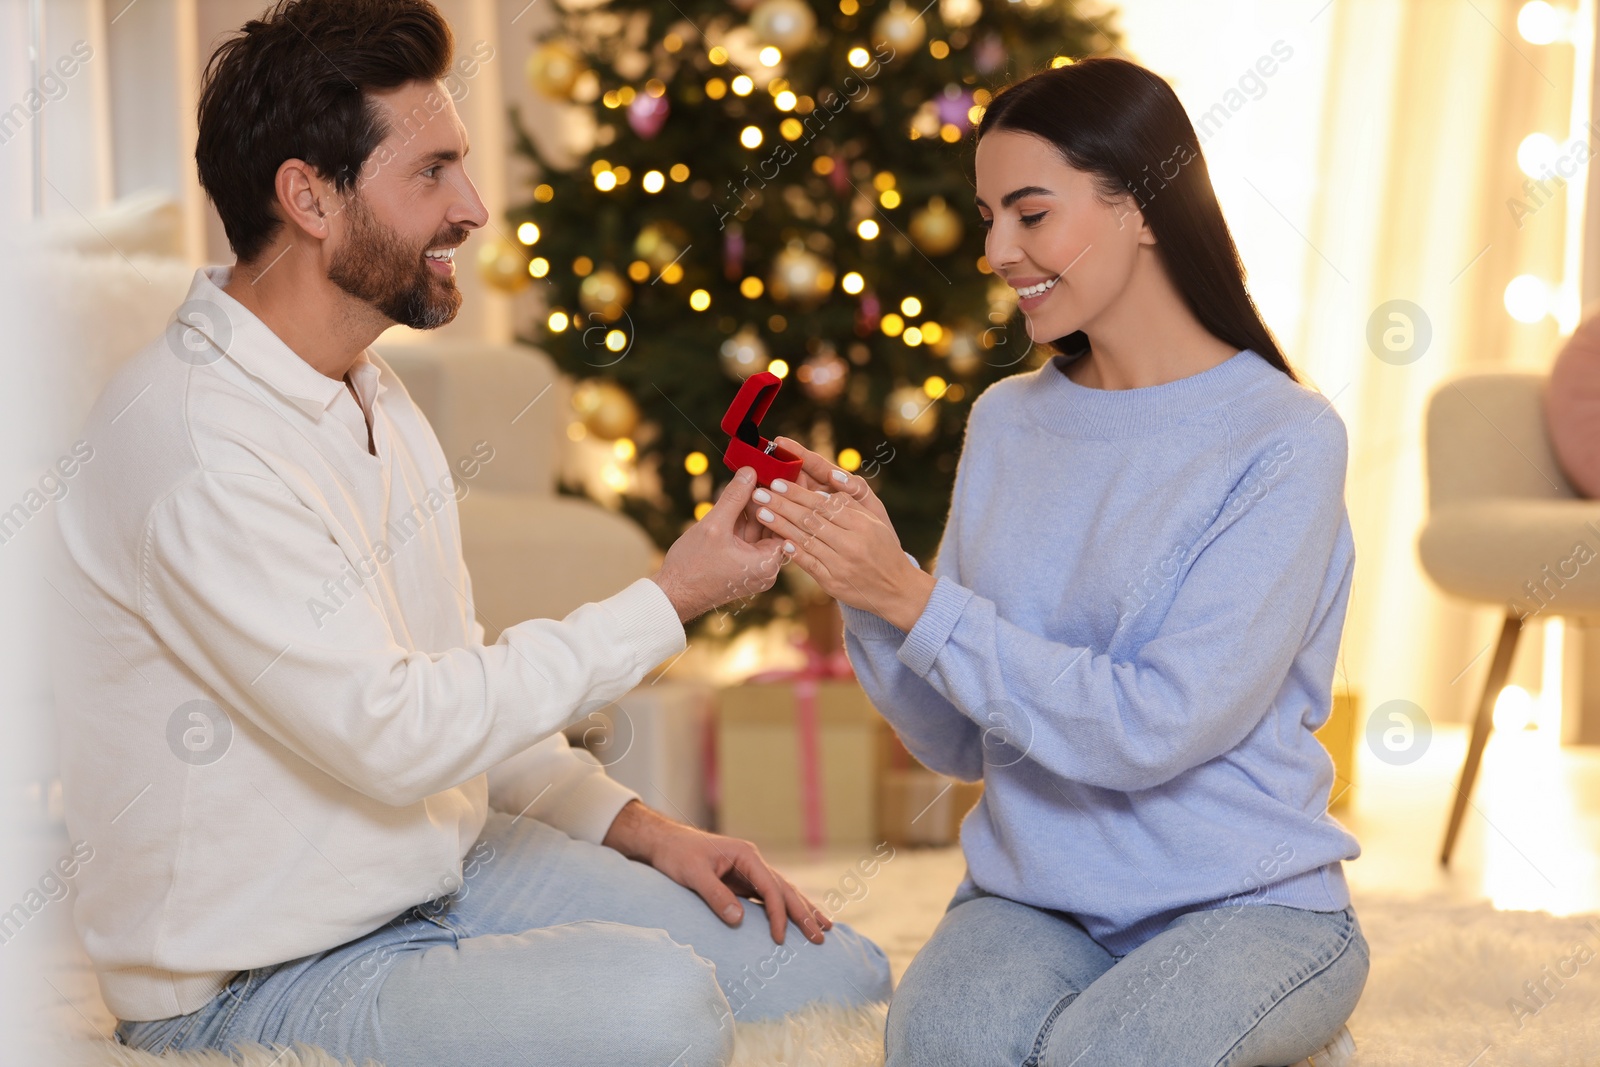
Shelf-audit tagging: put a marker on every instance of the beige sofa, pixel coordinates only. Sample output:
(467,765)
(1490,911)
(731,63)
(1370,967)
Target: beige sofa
(532,553)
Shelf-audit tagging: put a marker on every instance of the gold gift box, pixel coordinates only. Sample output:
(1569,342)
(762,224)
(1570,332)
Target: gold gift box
(759,763)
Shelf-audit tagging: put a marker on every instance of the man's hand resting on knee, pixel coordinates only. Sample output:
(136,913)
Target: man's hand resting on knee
(725,556)
(720,869)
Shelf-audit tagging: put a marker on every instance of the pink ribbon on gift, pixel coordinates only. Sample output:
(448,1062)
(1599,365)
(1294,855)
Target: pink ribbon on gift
(818,668)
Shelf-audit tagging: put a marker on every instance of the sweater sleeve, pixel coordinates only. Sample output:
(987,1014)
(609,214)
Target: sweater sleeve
(1198,686)
(932,729)
(561,786)
(232,569)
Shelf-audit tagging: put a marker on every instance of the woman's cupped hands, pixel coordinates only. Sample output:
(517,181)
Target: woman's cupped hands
(837,530)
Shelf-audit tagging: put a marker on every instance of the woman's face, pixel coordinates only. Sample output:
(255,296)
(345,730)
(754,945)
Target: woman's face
(1051,235)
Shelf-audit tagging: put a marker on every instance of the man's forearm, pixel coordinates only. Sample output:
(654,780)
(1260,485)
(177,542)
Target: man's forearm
(636,830)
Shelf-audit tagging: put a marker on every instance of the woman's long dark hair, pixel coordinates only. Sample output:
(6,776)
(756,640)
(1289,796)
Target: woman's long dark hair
(1125,125)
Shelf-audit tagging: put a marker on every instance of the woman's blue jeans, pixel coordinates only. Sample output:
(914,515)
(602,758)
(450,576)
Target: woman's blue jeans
(553,951)
(1246,985)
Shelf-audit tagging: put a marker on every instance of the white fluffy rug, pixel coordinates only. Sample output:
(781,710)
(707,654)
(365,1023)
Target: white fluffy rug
(816,1037)
(1443,988)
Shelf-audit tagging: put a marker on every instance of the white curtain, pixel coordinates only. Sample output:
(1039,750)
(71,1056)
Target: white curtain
(1374,166)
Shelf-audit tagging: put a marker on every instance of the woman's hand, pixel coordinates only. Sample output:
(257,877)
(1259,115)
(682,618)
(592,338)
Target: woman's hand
(816,473)
(841,541)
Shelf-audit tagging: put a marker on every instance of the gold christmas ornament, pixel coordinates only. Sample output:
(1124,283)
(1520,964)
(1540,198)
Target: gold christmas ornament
(799,276)
(554,68)
(936,229)
(1002,300)
(925,122)
(503,266)
(787,24)
(605,409)
(958,13)
(744,353)
(961,348)
(909,413)
(901,28)
(606,293)
(824,375)
(660,243)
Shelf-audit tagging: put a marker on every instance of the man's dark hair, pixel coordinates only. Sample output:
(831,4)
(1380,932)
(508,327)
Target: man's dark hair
(293,85)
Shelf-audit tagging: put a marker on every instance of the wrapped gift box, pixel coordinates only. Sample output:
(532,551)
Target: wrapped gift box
(656,740)
(1338,736)
(798,763)
(917,806)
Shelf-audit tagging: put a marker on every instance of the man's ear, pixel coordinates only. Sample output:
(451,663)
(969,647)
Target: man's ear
(305,198)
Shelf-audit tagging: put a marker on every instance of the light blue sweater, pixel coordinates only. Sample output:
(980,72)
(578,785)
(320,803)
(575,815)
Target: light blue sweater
(1132,637)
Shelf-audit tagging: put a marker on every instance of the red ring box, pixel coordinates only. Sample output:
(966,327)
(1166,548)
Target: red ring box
(748,448)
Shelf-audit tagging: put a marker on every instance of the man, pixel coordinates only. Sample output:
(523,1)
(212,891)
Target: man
(290,810)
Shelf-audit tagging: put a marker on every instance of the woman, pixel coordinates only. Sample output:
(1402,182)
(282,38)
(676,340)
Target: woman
(1130,631)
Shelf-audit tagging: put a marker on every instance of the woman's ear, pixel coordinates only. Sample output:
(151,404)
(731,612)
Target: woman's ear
(1126,208)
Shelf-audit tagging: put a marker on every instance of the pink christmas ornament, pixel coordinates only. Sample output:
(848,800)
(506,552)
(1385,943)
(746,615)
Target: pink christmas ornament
(838,176)
(647,114)
(869,314)
(955,104)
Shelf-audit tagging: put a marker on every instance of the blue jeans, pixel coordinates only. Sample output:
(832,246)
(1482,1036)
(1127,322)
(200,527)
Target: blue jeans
(1245,985)
(552,951)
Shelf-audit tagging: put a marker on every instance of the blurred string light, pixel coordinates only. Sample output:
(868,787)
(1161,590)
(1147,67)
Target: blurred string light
(1536,155)
(1514,709)
(1543,23)
(1529,298)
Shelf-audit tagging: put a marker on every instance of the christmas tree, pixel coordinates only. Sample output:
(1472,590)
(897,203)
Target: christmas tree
(784,186)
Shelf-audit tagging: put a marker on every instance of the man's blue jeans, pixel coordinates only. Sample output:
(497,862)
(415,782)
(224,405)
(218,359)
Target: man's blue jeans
(1245,985)
(553,951)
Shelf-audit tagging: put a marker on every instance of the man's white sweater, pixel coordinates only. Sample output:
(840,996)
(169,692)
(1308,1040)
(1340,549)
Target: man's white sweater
(280,726)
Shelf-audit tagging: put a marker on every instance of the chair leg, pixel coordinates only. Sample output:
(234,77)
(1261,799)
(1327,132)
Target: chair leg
(1499,670)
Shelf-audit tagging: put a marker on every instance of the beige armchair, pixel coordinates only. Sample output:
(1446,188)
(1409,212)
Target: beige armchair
(1502,519)
(532,553)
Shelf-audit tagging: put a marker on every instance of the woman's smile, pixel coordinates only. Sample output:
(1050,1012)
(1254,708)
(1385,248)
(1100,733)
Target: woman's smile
(1032,292)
